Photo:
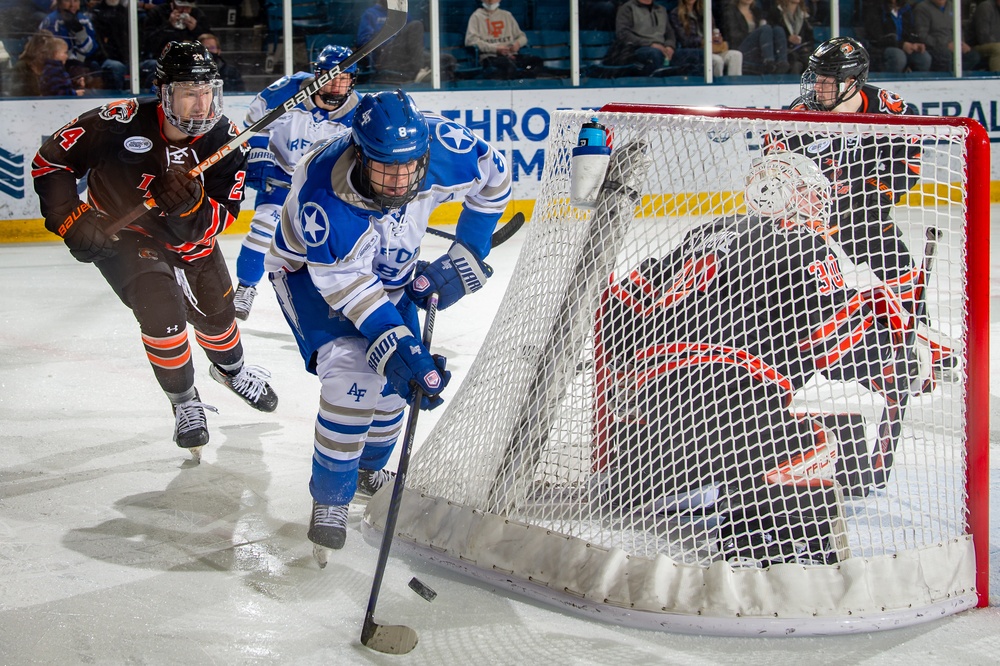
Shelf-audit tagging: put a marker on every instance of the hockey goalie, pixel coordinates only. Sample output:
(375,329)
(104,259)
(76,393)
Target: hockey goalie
(703,349)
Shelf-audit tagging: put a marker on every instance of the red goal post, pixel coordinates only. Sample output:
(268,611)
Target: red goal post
(630,486)
(977,257)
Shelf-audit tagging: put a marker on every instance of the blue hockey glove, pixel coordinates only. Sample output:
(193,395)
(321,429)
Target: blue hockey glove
(260,167)
(452,276)
(406,364)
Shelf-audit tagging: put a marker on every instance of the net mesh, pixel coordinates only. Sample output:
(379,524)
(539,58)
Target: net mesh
(670,376)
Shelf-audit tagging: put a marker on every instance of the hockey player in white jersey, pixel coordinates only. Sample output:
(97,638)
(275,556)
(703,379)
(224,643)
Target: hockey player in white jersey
(344,264)
(275,152)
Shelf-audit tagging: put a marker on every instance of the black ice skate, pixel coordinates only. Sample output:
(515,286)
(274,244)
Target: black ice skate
(190,425)
(244,300)
(249,383)
(371,481)
(327,529)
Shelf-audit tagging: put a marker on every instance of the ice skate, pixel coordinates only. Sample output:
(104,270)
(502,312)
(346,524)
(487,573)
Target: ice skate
(191,426)
(244,300)
(249,383)
(327,529)
(371,481)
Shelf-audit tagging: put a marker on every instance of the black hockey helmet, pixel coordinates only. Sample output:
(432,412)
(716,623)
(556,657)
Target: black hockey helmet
(842,59)
(183,66)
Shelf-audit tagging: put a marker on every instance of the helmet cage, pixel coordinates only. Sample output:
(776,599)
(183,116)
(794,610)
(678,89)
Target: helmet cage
(372,171)
(171,93)
(841,59)
(788,186)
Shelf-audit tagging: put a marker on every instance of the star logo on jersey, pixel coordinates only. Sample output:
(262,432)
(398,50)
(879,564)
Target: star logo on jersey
(455,138)
(315,225)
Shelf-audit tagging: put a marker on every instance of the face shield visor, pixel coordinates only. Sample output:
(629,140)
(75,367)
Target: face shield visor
(193,107)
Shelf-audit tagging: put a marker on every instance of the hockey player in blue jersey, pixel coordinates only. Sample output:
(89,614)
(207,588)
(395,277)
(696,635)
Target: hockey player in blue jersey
(345,266)
(275,152)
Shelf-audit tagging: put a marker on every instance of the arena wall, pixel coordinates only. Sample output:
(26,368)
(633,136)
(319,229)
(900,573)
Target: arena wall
(516,121)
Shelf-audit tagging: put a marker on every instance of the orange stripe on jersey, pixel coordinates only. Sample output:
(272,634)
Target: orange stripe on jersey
(40,166)
(828,328)
(845,344)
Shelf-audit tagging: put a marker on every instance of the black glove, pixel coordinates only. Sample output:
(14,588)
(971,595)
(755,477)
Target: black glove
(71,22)
(176,194)
(84,235)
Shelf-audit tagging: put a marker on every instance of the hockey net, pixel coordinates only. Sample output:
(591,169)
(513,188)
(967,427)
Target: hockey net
(684,478)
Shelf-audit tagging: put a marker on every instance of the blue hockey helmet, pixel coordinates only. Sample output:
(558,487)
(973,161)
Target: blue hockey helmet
(392,143)
(332,94)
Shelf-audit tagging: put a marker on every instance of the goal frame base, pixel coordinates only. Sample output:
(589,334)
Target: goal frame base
(694,625)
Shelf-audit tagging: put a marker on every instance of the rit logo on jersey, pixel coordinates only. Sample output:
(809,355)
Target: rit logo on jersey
(358,393)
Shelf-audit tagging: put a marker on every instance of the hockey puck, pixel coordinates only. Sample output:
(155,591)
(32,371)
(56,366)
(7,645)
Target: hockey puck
(421,589)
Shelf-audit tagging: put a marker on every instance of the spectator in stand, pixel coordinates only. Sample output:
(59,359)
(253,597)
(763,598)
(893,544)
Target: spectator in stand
(892,38)
(793,16)
(764,47)
(85,53)
(645,38)
(934,22)
(598,14)
(403,57)
(986,30)
(41,68)
(110,18)
(687,20)
(173,21)
(499,38)
(232,78)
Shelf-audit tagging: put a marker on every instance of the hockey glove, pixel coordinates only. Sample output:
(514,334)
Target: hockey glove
(83,233)
(407,364)
(260,166)
(176,194)
(452,276)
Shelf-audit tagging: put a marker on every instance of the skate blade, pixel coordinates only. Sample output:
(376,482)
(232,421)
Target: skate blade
(321,554)
(196,453)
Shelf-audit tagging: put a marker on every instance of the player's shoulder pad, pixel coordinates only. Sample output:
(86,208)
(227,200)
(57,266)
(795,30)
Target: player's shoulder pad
(453,137)
(881,100)
(455,152)
(281,90)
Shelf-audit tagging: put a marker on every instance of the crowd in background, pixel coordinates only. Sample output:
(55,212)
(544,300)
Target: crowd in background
(70,47)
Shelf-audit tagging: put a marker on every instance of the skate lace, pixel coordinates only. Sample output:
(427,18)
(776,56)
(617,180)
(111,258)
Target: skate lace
(244,297)
(190,415)
(333,515)
(250,382)
(378,479)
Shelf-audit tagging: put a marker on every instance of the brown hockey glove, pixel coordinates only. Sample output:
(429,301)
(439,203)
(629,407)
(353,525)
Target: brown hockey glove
(176,194)
(83,233)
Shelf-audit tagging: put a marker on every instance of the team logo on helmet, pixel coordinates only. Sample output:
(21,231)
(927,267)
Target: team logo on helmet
(847,48)
(122,110)
(890,102)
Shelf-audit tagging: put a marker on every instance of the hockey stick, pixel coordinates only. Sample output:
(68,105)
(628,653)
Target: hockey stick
(394,21)
(499,237)
(396,638)
(890,425)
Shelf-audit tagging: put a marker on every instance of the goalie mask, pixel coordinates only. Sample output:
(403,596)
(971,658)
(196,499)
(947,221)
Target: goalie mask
(392,145)
(188,86)
(339,89)
(788,186)
(837,70)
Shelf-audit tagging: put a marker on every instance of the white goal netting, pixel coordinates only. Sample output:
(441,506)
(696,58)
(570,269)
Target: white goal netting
(695,415)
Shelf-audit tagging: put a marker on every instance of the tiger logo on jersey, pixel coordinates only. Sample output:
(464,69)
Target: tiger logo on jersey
(122,110)
(890,102)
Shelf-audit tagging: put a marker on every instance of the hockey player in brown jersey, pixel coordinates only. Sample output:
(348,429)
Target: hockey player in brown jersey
(705,347)
(166,266)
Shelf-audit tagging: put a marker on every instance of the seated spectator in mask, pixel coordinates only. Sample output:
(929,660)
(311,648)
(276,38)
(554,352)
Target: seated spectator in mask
(499,38)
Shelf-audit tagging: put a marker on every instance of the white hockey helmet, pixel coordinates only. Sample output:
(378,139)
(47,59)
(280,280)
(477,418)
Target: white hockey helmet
(788,185)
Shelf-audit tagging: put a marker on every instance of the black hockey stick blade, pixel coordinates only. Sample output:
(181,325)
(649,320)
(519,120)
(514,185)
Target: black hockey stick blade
(890,426)
(394,21)
(499,237)
(396,638)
